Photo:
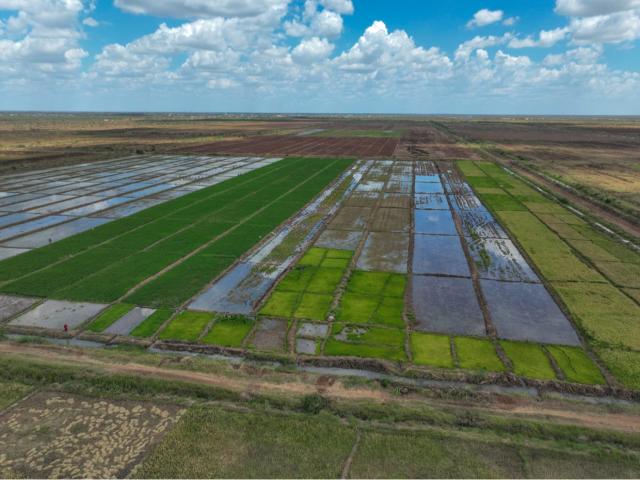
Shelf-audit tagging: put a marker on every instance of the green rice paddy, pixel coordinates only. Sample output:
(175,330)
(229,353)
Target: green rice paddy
(109,316)
(187,241)
(186,326)
(306,292)
(229,331)
(594,275)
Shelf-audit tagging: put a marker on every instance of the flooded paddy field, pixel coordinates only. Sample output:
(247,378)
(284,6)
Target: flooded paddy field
(45,206)
(397,261)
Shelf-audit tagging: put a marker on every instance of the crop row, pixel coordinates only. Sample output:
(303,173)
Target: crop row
(211,233)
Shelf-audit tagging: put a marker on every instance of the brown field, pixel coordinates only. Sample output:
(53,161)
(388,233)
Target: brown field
(302,146)
(598,157)
(50,139)
(58,435)
(428,143)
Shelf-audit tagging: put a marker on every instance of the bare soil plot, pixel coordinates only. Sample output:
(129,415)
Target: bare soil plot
(53,435)
(391,220)
(426,141)
(339,239)
(270,335)
(303,146)
(351,218)
(385,252)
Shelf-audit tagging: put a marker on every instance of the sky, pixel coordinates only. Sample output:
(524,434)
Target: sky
(539,57)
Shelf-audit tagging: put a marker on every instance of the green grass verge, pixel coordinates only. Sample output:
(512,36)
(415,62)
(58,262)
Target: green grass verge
(477,354)
(431,349)
(109,317)
(152,323)
(186,326)
(229,331)
(529,360)
(576,365)
(209,442)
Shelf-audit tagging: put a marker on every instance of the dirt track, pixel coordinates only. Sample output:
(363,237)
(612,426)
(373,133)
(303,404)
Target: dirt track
(300,384)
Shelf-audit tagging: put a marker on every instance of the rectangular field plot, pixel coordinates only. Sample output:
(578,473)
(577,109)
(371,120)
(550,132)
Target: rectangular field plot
(447,305)
(54,315)
(439,255)
(385,252)
(431,201)
(434,222)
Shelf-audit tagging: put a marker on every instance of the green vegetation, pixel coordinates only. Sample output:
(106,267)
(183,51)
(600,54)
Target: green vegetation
(306,292)
(605,314)
(529,360)
(402,455)
(477,354)
(214,443)
(576,365)
(368,342)
(373,297)
(228,218)
(624,364)
(229,331)
(109,316)
(152,323)
(595,276)
(431,349)
(186,326)
(313,306)
(280,304)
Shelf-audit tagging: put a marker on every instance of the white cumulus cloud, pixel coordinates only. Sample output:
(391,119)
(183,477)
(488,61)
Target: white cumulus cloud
(485,17)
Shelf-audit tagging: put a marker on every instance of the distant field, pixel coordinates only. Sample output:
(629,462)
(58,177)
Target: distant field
(597,157)
(360,133)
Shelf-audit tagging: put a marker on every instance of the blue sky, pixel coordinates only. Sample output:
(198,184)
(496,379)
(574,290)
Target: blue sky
(369,56)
